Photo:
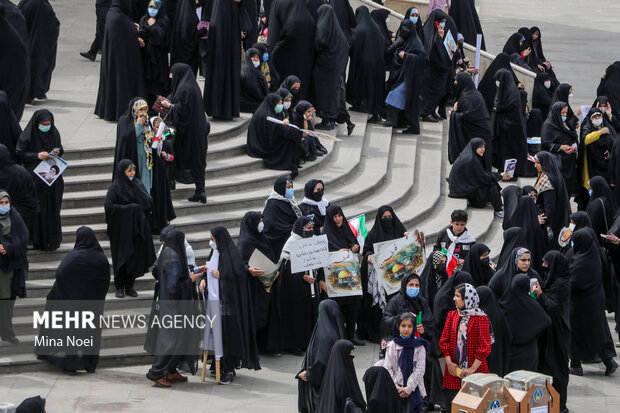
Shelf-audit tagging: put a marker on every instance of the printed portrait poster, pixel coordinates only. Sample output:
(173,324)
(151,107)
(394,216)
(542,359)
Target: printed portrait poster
(50,169)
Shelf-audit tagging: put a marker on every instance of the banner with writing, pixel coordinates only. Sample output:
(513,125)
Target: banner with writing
(309,254)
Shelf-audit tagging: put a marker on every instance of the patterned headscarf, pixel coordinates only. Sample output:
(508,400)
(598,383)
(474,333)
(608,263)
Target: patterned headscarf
(149,134)
(137,105)
(472,303)
(437,255)
(520,252)
(471,309)
(155,3)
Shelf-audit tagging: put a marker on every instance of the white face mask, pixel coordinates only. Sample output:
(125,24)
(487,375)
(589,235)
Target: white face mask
(597,122)
(308,117)
(570,96)
(387,20)
(497,83)
(571,226)
(287,105)
(261,226)
(255,63)
(213,245)
(547,84)
(603,110)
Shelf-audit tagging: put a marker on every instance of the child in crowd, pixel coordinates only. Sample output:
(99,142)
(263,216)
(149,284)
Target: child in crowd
(456,239)
(405,360)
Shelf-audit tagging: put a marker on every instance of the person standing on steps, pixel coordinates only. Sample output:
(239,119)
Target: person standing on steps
(192,129)
(101,10)
(13,264)
(127,210)
(38,141)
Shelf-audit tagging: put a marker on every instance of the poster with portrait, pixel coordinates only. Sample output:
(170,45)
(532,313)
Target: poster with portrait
(50,169)
(271,269)
(449,43)
(342,275)
(397,260)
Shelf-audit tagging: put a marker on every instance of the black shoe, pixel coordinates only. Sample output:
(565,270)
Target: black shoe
(388,123)
(428,118)
(202,198)
(412,131)
(88,56)
(438,117)
(429,407)
(226,378)
(374,119)
(577,371)
(90,371)
(70,372)
(120,293)
(350,127)
(325,125)
(12,340)
(131,292)
(610,366)
(358,343)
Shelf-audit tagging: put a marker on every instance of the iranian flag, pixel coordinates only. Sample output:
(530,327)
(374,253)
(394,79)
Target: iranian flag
(451,263)
(358,226)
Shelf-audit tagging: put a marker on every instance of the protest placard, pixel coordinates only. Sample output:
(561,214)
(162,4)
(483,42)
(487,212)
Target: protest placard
(50,169)
(396,260)
(309,254)
(342,275)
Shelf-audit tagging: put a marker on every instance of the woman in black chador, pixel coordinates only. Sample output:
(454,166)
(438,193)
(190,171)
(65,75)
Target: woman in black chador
(192,130)
(185,35)
(121,77)
(127,209)
(17,181)
(14,78)
(10,132)
(487,86)
(500,349)
(43,31)
(155,29)
(39,139)
(254,87)
(83,275)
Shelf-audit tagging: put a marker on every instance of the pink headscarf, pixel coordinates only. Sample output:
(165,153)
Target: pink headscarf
(437,4)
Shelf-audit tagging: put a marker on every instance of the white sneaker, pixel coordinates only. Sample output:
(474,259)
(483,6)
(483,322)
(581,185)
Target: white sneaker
(498,215)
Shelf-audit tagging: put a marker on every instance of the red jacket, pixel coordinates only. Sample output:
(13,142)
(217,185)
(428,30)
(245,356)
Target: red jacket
(478,345)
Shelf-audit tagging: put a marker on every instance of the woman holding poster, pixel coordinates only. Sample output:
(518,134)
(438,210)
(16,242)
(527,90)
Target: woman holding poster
(38,141)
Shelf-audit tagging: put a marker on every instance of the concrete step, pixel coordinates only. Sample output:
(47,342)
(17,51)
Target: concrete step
(39,288)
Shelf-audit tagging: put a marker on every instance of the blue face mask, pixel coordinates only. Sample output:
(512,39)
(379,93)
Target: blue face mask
(590,191)
(414,19)
(279,108)
(564,118)
(153,12)
(572,245)
(265,57)
(290,193)
(261,226)
(5,209)
(44,129)
(413,292)
(401,336)
(443,25)
(131,178)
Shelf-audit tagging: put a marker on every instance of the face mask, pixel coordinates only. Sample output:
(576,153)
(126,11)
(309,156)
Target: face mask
(294,92)
(131,178)
(590,191)
(261,226)
(317,196)
(213,245)
(45,128)
(265,56)
(279,108)
(572,245)
(4,209)
(547,84)
(290,193)
(255,63)
(597,122)
(307,117)
(497,83)
(570,96)
(572,227)
(308,233)
(564,118)
(442,25)
(603,110)
(405,34)
(387,20)
(441,268)
(485,261)
(404,337)
(414,19)
(153,12)
(413,292)
(287,105)
(386,222)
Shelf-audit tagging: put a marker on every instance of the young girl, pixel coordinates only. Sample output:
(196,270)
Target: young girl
(405,360)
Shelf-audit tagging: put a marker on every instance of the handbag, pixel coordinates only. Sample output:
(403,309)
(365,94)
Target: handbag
(158,107)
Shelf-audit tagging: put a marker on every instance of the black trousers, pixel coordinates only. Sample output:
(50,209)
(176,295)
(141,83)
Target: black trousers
(124,281)
(450,395)
(6,319)
(101,12)
(349,307)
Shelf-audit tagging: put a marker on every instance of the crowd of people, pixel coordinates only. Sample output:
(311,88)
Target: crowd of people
(285,61)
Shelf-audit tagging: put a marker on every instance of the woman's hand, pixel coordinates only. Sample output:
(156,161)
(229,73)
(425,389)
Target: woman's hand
(441,31)
(255,271)
(401,54)
(467,372)
(355,248)
(202,286)
(309,279)
(536,289)
(322,286)
(303,375)
(604,131)
(141,42)
(194,276)
(451,368)
(541,68)
(215,274)
(285,122)
(2,250)
(420,329)
(142,118)
(567,149)
(151,21)
(506,176)
(402,392)
(521,86)
(44,156)
(542,218)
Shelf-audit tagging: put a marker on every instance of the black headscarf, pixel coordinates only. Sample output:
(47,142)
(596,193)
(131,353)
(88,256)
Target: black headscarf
(467,21)
(602,205)
(525,318)
(507,100)
(468,173)
(338,237)
(402,303)
(537,48)
(513,44)
(253,84)
(503,278)
(129,192)
(498,359)
(513,238)
(541,96)
(10,131)
(328,329)
(32,405)
(561,94)
(510,196)
(559,219)
(443,300)
(381,394)
(470,120)
(339,380)
(610,87)
(556,286)
(487,83)
(250,239)
(307,208)
(43,31)
(32,140)
(239,330)
(13,77)
(419,27)
(526,218)
(382,230)
(379,16)
(480,271)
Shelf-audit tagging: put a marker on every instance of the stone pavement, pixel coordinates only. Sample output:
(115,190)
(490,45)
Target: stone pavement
(580,55)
